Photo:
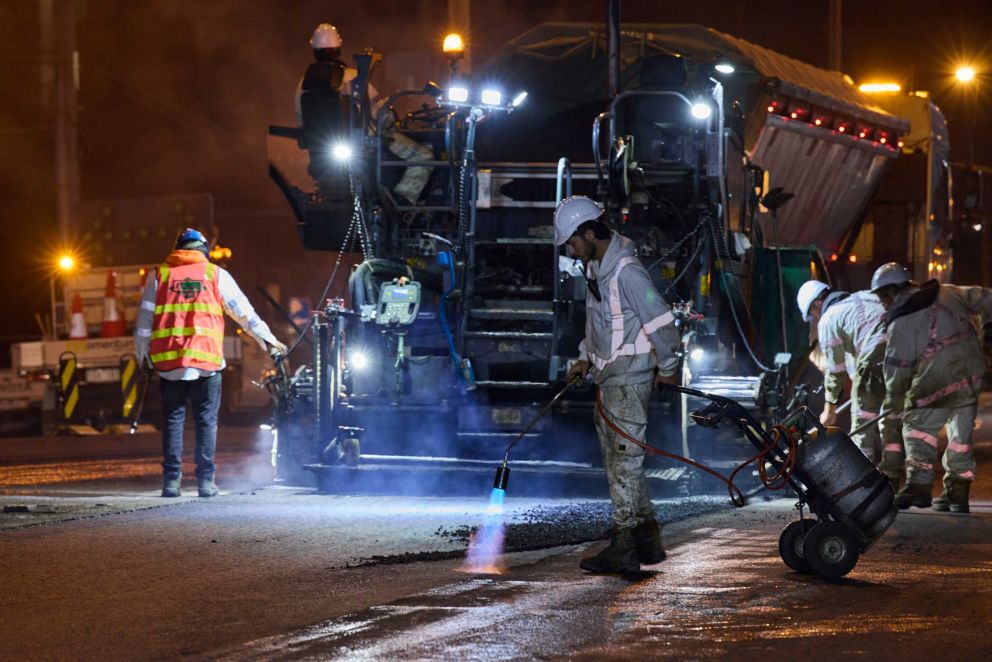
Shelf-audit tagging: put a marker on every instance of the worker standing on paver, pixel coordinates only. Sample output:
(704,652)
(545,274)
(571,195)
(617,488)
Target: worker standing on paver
(180,332)
(934,369)
(853,324)
(630,345)
(321,97)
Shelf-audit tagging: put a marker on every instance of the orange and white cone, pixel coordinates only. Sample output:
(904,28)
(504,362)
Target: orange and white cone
(113,320)
(77,323)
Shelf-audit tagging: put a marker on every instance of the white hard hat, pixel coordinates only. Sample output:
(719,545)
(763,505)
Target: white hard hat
(890,273)
(325,36)
(571,213)
(808,293)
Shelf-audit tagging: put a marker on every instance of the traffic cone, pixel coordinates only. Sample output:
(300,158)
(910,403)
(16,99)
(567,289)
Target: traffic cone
(113,321)
(77,324)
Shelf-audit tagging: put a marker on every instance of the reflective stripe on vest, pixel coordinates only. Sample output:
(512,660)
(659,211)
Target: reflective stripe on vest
(187,353)
(212,308)
(641,344)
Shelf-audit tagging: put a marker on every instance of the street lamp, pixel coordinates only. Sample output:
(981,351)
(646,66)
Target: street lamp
(453,48)
(965,74)
(64,265)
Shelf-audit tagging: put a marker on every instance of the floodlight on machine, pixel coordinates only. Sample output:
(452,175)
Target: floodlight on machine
(341,152)
(491,97)
(519,99)
(725,68)
(697,354)
(458,94)
(358,360)
(701,110)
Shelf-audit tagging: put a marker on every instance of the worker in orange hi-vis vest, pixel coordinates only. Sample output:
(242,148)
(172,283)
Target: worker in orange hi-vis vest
(180,332)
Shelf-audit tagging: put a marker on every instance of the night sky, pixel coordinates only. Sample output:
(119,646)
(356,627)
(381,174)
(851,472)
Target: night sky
(176,95)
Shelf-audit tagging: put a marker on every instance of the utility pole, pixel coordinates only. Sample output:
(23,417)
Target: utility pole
(60,83)
(613,46)
(834,36)
(460,21)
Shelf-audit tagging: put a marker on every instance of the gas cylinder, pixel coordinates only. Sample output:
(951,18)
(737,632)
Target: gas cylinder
(852,489)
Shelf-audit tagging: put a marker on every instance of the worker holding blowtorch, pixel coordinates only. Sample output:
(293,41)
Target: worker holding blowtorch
(630,346)
(853,324)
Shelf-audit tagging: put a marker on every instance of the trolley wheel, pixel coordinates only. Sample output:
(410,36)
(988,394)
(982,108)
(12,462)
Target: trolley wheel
(790,544)
(831,549)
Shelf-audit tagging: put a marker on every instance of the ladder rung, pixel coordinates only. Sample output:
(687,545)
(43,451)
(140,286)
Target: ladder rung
(515,335)
(512,313)
(499,384)
(515,241)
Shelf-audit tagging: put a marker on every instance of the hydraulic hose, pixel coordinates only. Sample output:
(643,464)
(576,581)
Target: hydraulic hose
(775,482)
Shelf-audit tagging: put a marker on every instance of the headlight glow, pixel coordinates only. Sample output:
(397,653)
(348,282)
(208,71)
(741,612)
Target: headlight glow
(701,110)
(492,97)
(358,360)
(458,94)
(341,152)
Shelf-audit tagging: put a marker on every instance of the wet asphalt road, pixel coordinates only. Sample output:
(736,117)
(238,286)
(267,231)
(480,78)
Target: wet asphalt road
(100,568)
(921,594)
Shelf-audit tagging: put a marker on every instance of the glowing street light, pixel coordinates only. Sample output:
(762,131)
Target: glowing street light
(965,74)
(66,262)
(453,46)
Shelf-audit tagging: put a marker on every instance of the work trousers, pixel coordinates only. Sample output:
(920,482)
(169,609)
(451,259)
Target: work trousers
(920,428)
(627,407)
(880,442)
(204,396)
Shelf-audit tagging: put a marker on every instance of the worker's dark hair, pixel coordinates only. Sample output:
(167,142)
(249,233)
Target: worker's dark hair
(600,229)
(326,54)
(196,246)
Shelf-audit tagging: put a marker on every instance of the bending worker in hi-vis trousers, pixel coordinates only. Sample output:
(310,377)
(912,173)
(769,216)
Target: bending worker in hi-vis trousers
(853,324)
(630,332)
(934,368)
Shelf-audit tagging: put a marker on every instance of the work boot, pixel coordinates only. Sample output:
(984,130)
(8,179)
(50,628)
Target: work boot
(171,486)
(913,494)
(894,481)
(954,498)
(207,488)
(619,556)
(647,537)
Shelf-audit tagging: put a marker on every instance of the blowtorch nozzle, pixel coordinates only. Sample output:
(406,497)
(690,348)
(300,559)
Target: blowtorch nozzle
(502,477)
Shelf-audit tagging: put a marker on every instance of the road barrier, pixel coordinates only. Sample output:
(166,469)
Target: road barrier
(129,384)
(68,385)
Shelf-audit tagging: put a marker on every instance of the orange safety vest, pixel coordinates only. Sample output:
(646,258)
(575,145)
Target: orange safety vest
(188,326)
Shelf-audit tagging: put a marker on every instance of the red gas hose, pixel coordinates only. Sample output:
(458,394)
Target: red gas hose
(776,482)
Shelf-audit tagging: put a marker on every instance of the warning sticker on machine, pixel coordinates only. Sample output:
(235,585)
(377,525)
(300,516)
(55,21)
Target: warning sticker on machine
(507,416)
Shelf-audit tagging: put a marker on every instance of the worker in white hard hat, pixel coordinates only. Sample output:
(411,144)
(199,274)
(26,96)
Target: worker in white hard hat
(630,345)
(934,370)
(322,96)
(853,325)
